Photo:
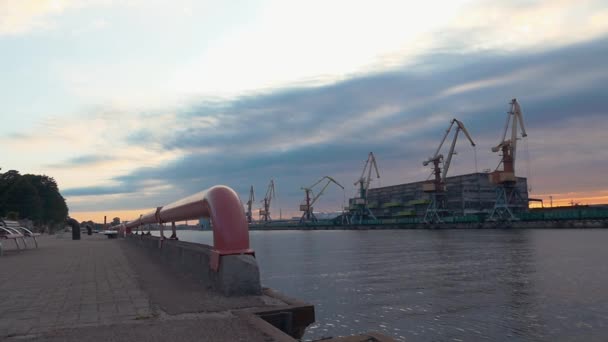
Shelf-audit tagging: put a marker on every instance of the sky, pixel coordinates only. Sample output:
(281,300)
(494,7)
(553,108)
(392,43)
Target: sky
(131,105)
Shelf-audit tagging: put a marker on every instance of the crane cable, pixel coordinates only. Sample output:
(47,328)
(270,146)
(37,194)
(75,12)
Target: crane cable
(528,166)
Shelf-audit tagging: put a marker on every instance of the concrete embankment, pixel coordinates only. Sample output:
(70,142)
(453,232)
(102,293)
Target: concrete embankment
(238,275)
(113,290)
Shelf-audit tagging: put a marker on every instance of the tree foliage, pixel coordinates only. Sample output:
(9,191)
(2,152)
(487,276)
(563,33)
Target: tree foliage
(34,197)
(115,221)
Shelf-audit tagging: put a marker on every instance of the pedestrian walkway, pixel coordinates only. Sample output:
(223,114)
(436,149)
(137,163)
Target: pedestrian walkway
(99,289)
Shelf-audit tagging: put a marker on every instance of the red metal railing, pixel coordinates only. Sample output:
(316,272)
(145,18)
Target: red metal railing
(222,206)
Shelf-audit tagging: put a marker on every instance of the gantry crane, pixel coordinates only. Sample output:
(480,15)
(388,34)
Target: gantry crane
(249,212)
(265,211)
(311,199)
(437,187)
(359,205)
(508,197)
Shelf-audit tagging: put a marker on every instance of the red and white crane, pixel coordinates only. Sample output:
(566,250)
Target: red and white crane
(437,186)
(509,146)
(249,212)
(508,197)
(359,206)
(265,211)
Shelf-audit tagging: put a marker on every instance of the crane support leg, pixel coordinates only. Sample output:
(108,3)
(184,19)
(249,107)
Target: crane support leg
(362,214)
(434,209)
(508,200)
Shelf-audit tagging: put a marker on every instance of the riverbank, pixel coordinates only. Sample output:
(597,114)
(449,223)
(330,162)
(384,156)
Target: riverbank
(110,289)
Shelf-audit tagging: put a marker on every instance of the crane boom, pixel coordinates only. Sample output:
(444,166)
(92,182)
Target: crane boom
(329,181)
(437,157)
(466,132)
(509,146)
(517,119)
(460,127)
(307,207)
(270,194)
(365,180)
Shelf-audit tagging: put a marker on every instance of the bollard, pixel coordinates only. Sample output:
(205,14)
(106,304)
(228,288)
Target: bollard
(89,230)
(75,228)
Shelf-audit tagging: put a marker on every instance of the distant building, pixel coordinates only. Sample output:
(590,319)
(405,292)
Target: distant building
(466,194)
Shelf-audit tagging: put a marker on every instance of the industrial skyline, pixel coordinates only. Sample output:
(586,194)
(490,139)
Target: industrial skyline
(126,113)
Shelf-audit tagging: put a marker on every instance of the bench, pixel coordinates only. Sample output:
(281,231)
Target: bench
(8,234)
(22,231)
(111,234)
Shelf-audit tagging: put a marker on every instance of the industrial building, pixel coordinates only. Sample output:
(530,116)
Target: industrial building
(469,194)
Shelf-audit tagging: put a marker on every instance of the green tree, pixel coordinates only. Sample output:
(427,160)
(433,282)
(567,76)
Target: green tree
(54,208)
(23,198)
(7,180)
(34,197)
(115,221)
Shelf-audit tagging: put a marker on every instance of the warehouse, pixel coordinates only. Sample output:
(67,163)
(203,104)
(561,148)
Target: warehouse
(466,195)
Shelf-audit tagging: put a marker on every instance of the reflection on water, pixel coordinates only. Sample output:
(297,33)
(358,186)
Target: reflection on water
(442,285)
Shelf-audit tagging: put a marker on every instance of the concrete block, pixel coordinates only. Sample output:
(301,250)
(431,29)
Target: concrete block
(238,275)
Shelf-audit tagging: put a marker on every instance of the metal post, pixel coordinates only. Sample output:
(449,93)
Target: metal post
(173,232)
(75,228)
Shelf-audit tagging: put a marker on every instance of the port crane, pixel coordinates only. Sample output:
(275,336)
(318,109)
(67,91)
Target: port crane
(265,211)
(359,205)
(437,187)
(311,199)
(249,212)
(508,197)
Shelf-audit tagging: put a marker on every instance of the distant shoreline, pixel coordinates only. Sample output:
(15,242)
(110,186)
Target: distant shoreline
(571,224)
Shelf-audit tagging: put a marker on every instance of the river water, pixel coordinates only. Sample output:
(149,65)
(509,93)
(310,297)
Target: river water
(442,285)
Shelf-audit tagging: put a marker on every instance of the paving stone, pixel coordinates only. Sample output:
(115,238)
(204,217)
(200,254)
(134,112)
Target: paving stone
(89,290)
(82,285)
(88,317)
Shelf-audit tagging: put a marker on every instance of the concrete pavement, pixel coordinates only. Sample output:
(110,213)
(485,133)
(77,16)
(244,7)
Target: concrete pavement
(99,289)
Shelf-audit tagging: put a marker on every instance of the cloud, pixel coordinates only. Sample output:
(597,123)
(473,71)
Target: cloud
(91,148)
(532,25)
(298,135)
(17,17)
(98,190)
(84,160)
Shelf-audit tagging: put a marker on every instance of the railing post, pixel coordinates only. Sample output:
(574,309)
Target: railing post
(173,232)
